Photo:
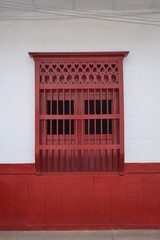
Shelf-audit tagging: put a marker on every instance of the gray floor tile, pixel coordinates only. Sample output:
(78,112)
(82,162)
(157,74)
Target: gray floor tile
(81,235)
(137,235)
(21,235)
(78,235)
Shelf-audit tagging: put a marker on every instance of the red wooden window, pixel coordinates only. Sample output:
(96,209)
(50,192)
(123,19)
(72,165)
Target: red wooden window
(79,119)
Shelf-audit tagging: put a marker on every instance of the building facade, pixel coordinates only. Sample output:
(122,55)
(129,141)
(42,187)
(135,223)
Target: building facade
(79,200)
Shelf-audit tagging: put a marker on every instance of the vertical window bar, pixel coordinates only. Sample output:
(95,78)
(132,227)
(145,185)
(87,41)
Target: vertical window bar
(113,132)
(44,168)
(76,137)
(107,116)
(38,130)
(63,130)
(45,132)
(95,131)
(70,136)
(88,116)
(82,140)
(44,106)
(58,153)
(114,129)
(101,158)
(107,153)
(117,111)
(40,102)
(88,131)
(51,138)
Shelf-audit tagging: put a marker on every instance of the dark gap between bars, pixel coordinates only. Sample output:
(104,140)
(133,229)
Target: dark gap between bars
(60,112)
(98,121)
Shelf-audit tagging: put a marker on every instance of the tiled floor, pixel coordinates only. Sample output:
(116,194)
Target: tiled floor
(81,235)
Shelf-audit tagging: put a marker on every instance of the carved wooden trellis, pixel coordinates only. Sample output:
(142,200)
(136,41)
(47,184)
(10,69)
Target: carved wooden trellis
(79,112)
(79,73)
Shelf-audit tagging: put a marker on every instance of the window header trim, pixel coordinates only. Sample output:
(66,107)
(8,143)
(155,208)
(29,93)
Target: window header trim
(39,55)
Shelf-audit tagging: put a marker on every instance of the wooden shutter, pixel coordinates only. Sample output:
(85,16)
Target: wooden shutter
(79,119)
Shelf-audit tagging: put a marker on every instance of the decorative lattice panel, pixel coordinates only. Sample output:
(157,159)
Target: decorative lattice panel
(79,112)
(79,73)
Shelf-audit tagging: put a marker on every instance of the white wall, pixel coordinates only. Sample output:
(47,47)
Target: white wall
(141,80)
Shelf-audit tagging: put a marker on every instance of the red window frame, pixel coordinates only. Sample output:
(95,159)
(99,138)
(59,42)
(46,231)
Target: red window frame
(79,77)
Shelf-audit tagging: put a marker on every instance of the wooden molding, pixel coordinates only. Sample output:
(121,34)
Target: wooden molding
(129,168)
(37,55)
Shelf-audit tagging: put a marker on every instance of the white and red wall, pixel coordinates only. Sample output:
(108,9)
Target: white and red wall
(92,201)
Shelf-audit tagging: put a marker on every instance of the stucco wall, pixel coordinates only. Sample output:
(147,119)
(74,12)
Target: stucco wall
(141,80)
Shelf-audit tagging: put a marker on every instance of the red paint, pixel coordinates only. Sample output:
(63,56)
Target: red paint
(60,55)
(102,196)
(17,169)
(118,200)
(129,168)
(36,200)
(85,199)
(134,199)
(79,201)
(150,199)
(68,198)
(53,199)
(80,78)
(142,168)
(13,200)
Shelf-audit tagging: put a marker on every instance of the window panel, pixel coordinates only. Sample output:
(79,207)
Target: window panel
(98,121)
(80,112)
(60,122)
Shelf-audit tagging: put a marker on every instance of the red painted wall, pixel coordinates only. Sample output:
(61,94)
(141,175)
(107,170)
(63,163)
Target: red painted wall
(79,201)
